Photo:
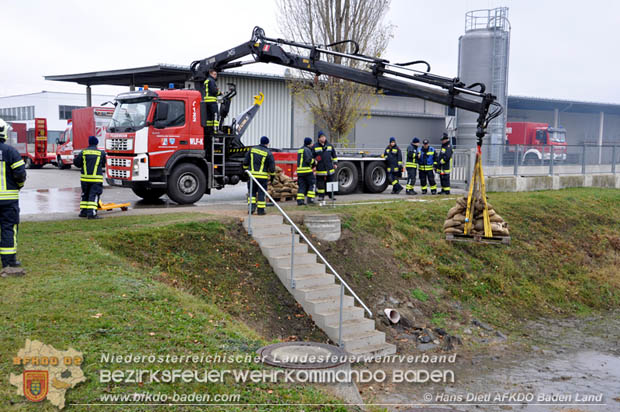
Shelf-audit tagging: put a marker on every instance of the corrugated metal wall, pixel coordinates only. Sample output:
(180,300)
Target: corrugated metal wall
(274,117)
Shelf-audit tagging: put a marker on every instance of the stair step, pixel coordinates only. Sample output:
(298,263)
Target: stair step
(313,306)
(272,230)
(301,270)
(279,250)
(370,352)
(362,339)
(313,292)
(303,282)
(349,327)
(267,220)
(332,316)
(274,240)
(302,258)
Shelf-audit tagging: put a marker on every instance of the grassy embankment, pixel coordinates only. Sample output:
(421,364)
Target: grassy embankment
(78,294)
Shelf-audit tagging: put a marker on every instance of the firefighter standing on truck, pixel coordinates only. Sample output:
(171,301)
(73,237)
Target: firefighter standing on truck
(445,164)
(261,164)
(211,93)
(305,174)
(426,165)
(326,164)
(394,163)
(91,161)
(12,178)
(411,163)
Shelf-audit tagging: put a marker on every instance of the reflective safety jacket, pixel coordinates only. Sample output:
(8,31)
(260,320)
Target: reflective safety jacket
(393,158)
(426,158)
(12,174)
(412,156)
(260,162)
(211,90)
(445,158)
(91,161)
(305,161)
(325,156)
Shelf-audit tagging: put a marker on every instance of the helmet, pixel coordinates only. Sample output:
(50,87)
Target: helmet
(4,130)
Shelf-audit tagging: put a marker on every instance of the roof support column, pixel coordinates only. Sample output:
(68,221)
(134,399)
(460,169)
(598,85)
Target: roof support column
(556,117)
(600,136)
(89,96)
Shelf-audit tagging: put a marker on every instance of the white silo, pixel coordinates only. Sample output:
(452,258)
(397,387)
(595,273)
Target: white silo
(483,57)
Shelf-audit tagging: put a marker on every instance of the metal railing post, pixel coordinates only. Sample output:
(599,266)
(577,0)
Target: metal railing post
(551,156)
(517,159)
(613,159)
(340,316)
(583,160)
(292,256)
(250,208)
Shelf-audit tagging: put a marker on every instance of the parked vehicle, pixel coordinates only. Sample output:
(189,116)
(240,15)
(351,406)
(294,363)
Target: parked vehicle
(85,122)
(538,141)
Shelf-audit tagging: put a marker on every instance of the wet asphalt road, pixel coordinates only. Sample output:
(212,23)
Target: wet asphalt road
(53,194)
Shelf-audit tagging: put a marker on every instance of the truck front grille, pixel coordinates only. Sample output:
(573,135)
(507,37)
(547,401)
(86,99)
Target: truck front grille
(118,174)
(118,144)
(119,162)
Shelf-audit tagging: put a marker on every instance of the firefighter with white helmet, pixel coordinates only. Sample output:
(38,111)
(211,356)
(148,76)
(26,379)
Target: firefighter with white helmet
(12,179)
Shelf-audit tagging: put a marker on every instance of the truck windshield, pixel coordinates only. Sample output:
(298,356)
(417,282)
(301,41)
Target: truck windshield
(130,116)
(557,136)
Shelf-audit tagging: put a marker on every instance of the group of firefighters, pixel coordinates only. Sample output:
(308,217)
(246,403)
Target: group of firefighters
(317,164)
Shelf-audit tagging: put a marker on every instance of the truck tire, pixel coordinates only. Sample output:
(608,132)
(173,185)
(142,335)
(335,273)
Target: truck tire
(531,160)
(186,184)
(375,178)
(148,194)
(61,165)
(28,162)
(347,178)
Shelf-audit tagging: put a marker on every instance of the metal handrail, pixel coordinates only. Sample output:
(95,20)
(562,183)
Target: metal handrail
(342,282)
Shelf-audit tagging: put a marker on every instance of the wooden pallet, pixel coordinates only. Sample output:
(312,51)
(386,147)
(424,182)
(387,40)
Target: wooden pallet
(284,199)
(453,237)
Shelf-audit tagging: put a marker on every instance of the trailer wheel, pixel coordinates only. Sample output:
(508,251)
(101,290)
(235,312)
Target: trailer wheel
(186,184)
(28,162)
(375,178)
(347,178)
(149,194)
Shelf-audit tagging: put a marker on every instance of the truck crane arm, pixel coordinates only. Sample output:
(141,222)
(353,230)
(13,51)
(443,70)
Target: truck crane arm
(379,73)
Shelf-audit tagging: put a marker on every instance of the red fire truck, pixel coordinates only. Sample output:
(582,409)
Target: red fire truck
(158,142)
(539,140)
(85,122)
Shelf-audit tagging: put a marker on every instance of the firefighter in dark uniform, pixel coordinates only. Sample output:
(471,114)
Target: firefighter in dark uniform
(411,163)
(12,178)
(326,165)
(91,161)
(445,164)
(426,165)
(211,93)
(260,162)
(305,174)
(394,165)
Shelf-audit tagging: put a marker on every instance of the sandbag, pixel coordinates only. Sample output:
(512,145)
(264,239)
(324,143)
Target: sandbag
(456,209)
(459,218)
(453,230)
(450,223)
(497,218)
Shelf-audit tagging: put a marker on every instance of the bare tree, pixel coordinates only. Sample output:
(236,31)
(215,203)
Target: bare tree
(335,102)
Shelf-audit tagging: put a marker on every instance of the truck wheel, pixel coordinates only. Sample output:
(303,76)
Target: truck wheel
(149,194)
(61,165)
(28,162)
(186,184)
(347,178)
(531,160)
(375,178)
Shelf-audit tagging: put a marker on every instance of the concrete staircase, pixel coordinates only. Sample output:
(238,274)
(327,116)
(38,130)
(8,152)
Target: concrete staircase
(317,291)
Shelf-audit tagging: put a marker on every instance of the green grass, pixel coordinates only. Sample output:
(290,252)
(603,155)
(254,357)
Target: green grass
(563,258)
(419,294)
(81,295)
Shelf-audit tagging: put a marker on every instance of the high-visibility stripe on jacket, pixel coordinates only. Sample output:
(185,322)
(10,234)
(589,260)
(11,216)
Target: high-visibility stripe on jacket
(325,156)
(305,160)
(91,161)
(445,158)
(260,162)
(12,173)
(211,90)
(393,158)
(426,159)
(412,156)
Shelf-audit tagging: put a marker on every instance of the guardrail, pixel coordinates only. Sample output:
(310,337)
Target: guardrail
(295,229)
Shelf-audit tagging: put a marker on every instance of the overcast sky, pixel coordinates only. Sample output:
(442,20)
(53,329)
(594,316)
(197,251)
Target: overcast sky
(559,49)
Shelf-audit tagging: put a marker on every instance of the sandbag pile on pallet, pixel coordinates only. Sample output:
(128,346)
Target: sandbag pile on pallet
(455,222)
(282,185)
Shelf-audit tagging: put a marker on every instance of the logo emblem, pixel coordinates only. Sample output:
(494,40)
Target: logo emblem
(35,385)
(172,140)
(164,141)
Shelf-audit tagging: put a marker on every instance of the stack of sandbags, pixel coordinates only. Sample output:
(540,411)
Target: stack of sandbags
(455,222)
(282,185)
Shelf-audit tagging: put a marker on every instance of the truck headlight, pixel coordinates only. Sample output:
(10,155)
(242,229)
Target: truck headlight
(136,167)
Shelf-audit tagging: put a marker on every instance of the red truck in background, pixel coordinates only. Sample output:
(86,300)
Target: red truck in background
(85,122)
(39,155)
(539,140)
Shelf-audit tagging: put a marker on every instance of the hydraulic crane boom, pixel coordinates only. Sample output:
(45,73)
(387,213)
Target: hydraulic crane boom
(380,74)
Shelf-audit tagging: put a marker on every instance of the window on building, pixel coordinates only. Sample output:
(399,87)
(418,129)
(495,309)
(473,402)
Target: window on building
(64,112)
(11,114)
